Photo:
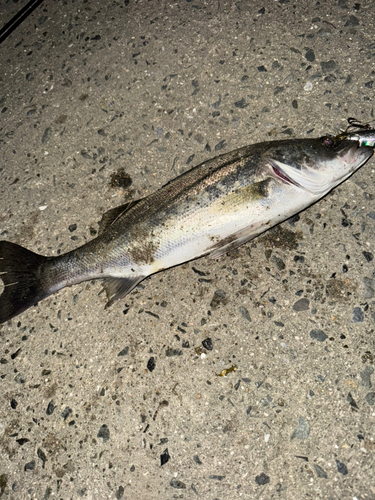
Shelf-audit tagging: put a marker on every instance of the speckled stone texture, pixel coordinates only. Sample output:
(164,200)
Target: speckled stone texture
(250,376)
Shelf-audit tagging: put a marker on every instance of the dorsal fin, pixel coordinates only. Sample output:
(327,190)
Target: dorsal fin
(114,214)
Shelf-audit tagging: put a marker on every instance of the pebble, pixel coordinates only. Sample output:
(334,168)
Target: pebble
(318,335)
(50,408)
(351,401)
(245,313)
(368,256)
(173,352)
(207,344)
(164,457)
(241,104)
(262,479)
(301,305)
(319,471)
(369,285)
(218,299)
(302,431)
(151,364)
(104,433)
(124,352)
(366,377)
(370,398)
(342,469)
(120,493)
(30,465)
(358,315)
(179,485)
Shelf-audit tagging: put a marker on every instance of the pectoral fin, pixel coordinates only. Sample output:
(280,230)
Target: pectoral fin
(236,239)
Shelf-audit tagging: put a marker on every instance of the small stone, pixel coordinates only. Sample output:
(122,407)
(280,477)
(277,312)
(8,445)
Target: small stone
(262,69)
(278,90)
(241,104)
(279,263)
(151,364)
(368,256)
(218,299)
(341,468)
(42,456)
(301,305)
(190,159)
(175,483)
(50,408)
(351,401)
(13,404)
(366,377)
(328,66)
(319,471)
(173,352)
(310,55)
(120,493)
(302,431)
(262,479)
(46,135)
(369,285)
(370,398)
(66,412)
(104,433)
(164,457)
(318,335)
(30,465)
(20,378)
(124,352)
(220,145)
(245,313)
(358,315)
(207,344)
(352,21)
(72,227)
(197,460)
(22,441)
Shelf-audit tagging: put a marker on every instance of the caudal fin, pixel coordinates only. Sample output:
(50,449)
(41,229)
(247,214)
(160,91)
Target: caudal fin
(20,271)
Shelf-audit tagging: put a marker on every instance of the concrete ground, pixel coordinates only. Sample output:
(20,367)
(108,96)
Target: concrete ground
(250,376)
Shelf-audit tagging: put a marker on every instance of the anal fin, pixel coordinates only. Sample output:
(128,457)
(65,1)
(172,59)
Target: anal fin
(117,288)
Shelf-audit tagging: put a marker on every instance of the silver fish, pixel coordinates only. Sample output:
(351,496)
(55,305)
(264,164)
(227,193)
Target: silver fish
(211,209)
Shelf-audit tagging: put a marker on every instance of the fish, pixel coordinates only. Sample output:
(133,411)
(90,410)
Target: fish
(209,210)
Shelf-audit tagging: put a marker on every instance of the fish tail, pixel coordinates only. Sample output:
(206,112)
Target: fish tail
(21,274)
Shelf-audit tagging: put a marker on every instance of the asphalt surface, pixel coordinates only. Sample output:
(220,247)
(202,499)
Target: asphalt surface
(250,376)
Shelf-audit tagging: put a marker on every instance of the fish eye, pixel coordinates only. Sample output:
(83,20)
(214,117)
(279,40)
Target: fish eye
(328,141)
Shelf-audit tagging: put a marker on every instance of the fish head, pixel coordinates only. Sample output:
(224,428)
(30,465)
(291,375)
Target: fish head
(315,165)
